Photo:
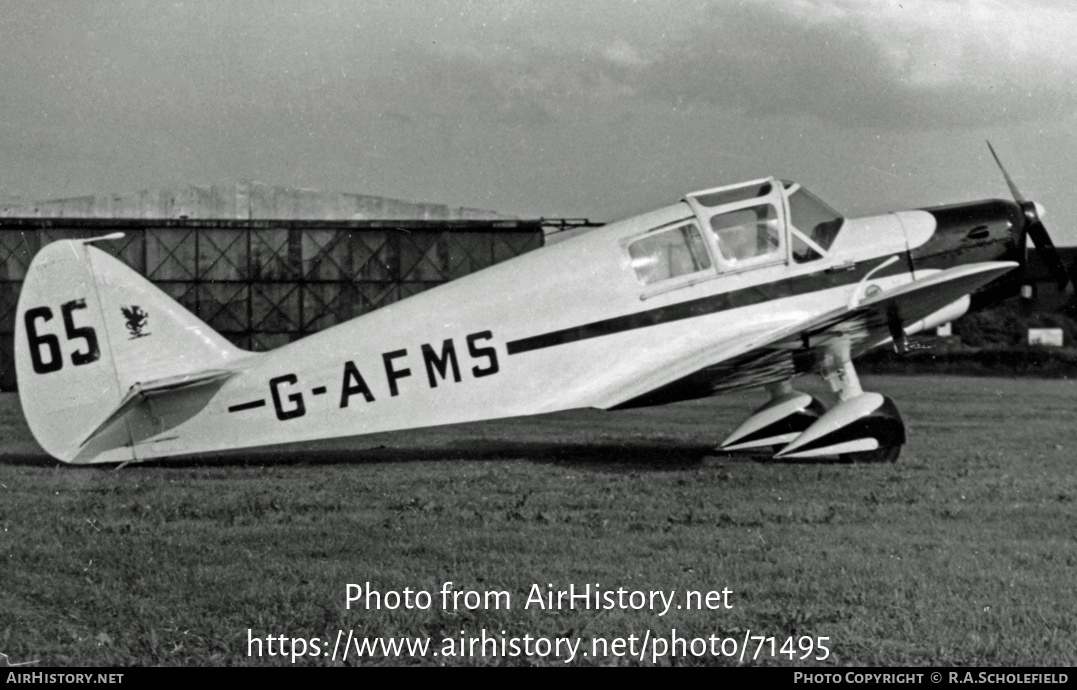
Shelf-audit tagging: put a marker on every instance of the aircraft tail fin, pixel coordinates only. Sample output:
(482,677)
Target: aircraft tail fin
(93,339)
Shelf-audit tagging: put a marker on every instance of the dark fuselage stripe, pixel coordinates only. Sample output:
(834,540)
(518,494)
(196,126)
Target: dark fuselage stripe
(703,306)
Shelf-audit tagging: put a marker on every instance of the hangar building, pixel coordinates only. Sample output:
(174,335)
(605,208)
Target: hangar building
(266,265)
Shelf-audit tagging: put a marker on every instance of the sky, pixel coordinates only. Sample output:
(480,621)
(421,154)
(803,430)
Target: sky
(556,108)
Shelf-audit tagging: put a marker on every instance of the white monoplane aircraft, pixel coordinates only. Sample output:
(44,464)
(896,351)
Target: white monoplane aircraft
(747,285)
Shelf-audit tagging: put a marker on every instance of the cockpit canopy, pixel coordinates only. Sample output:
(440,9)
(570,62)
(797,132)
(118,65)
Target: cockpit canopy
(747,225)
(812,223)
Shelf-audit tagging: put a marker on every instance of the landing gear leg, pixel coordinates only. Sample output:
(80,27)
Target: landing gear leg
(862,427)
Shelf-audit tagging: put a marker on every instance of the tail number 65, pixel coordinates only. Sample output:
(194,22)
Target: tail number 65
(45,347)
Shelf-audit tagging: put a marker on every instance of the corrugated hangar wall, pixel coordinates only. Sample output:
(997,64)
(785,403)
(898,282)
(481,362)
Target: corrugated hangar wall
(264,265)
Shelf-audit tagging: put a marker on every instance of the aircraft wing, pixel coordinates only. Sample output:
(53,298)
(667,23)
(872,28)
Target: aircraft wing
(798,348)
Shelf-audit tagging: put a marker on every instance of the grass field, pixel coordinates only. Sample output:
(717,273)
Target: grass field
(963,552)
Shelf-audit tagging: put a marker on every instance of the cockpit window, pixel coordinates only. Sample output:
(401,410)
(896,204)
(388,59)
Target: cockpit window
(814,224)
(747,233)
(669,253)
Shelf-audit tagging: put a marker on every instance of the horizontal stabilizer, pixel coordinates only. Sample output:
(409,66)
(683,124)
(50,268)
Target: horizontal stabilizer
(143,391)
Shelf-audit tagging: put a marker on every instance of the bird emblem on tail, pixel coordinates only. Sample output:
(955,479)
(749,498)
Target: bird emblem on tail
(136,320)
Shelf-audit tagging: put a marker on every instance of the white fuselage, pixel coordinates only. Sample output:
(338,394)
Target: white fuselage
(567,326)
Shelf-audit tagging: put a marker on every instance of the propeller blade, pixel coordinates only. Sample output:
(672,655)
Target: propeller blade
(1035,229)
(1009,180)
(1050,254)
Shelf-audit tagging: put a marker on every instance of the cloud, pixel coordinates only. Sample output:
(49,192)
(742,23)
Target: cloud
(494,85)
(398,118)
(880,64)
(914,64)
(624,54)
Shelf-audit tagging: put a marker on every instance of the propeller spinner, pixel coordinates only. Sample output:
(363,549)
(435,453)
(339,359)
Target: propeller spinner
(1035,229)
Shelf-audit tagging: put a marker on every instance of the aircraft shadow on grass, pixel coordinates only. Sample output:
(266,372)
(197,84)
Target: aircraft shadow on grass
(604,456)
